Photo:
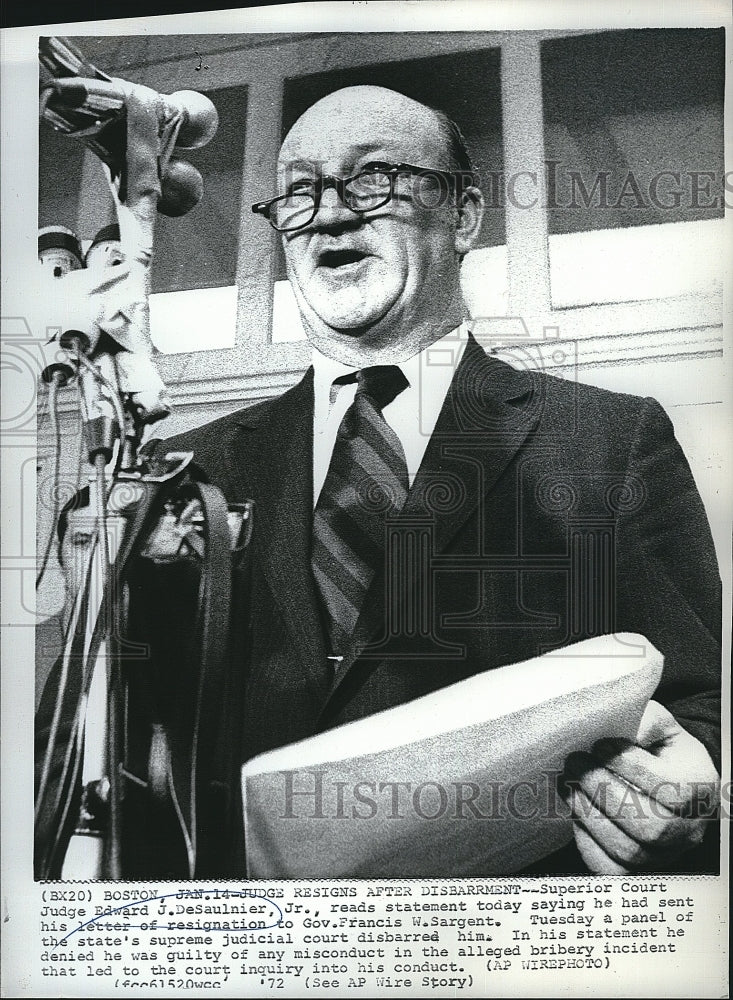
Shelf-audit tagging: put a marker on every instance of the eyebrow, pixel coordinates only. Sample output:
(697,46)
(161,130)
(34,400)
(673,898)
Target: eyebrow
(313,168)
(373,160)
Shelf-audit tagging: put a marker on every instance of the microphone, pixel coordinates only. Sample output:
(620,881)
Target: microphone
(95,312)
(87,104)
(200,119)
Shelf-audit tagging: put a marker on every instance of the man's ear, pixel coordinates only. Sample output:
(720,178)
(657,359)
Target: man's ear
(470,210)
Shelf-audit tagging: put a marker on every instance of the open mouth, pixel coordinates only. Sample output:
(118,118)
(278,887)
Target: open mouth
(340,258)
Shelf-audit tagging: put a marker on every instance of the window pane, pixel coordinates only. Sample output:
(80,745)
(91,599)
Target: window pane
(60,163)
(199,250)
(634,138)
(625,110)
(195,251)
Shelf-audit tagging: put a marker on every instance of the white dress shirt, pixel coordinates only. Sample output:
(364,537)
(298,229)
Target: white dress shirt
(412,415)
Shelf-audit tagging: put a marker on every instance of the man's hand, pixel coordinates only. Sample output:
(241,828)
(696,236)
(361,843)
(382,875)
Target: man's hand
(640,806)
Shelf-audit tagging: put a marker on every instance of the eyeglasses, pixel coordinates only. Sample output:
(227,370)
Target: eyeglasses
(371,188)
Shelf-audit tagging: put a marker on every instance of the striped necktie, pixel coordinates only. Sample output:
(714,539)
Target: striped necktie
(366,483)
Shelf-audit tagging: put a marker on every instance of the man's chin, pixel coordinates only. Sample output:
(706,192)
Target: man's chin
(349,344)
(324,333)
(354,323)
(354,305)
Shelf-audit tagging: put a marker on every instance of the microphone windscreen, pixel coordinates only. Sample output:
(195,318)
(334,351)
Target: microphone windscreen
(201,119)
(182,188)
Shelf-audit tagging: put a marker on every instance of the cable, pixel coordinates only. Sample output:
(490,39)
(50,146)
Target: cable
(85,417)
(53,393)
(112,842)
(72,628)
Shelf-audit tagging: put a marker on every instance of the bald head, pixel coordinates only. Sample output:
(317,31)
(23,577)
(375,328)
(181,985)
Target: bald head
(372,112)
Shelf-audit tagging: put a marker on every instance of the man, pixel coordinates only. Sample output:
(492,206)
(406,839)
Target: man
(495,467)
(377,287)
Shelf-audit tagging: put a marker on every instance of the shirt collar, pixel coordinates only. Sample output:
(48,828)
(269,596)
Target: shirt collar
(434,365)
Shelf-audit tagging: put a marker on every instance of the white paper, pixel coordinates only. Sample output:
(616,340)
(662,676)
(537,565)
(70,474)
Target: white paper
(509,729)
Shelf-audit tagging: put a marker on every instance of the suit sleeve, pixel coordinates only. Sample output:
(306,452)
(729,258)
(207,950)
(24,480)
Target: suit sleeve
(669,587)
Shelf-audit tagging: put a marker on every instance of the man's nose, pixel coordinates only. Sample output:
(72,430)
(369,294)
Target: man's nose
(332,212)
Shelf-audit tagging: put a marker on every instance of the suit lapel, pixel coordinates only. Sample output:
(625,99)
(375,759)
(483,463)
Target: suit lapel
(489,410)
(271,461)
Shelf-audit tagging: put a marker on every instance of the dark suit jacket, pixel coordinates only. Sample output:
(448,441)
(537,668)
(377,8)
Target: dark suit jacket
(549,511)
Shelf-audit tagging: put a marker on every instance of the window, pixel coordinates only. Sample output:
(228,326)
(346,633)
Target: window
(194,301)
(199,250)
(633,124)
(618,281)
(58,188)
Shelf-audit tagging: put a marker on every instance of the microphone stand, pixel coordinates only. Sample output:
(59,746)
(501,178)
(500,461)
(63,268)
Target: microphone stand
(112,423)
(112,864)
